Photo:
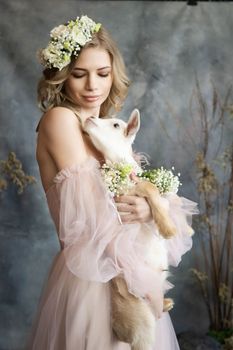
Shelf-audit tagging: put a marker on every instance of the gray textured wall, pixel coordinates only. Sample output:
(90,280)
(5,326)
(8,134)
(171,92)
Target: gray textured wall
(164,45)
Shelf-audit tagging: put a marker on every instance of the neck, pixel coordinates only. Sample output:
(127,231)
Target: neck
(86,113)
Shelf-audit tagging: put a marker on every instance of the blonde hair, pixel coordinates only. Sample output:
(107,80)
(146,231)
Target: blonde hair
(51,91)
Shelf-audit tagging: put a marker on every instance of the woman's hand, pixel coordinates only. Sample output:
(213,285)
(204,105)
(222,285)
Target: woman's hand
(133,209)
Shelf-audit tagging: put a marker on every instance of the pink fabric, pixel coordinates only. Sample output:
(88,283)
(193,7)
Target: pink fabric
(74,309)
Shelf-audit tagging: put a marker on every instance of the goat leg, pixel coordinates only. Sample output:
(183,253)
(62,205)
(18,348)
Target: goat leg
(160,214)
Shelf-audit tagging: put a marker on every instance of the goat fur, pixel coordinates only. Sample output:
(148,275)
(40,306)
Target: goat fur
(133,319)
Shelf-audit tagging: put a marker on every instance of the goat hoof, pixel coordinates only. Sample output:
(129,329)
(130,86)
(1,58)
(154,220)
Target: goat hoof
(168,304)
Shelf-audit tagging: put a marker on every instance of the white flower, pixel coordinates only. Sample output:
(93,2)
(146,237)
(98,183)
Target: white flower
(51,54)
(87,22)
(78,36)
(59,32)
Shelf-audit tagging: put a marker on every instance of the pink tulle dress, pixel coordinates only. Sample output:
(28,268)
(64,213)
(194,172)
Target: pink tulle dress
(74,306)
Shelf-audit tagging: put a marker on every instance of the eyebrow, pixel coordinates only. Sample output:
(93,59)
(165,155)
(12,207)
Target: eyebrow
(83,69)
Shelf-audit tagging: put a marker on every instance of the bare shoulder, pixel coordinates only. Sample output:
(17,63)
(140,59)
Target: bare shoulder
(62,137)
(57,119)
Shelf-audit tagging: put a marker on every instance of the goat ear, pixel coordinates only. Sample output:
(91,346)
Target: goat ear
(133,124)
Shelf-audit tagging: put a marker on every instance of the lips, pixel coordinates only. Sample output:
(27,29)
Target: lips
(91,98)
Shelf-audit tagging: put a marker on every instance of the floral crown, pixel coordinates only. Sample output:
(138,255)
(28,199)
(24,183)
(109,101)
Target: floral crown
(66,41)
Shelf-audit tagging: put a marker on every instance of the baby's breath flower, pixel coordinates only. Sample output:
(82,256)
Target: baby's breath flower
(164,179)
(116,177)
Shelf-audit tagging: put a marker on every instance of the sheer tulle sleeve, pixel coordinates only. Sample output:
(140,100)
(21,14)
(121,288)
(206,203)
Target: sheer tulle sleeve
(97,247)
(181,211)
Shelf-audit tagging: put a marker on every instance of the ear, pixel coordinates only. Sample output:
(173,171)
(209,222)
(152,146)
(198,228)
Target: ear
(133,124)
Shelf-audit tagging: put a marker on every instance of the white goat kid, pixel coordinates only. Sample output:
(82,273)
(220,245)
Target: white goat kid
(133,320)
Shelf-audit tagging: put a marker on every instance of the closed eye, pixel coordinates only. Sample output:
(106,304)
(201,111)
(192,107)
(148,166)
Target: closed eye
(116,125)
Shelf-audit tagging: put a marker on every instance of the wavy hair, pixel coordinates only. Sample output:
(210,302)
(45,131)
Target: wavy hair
(51,92)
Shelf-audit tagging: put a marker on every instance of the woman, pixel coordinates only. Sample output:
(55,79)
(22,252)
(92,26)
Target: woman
(85,75)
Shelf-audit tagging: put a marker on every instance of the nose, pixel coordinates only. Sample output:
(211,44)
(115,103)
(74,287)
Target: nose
(91,83)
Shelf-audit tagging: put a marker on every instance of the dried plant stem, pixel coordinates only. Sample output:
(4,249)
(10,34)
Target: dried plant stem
(220,120)
(215,188)
(214,271)
(12,170)
(207,203)
(219,300)
(205,291)
(228,235)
